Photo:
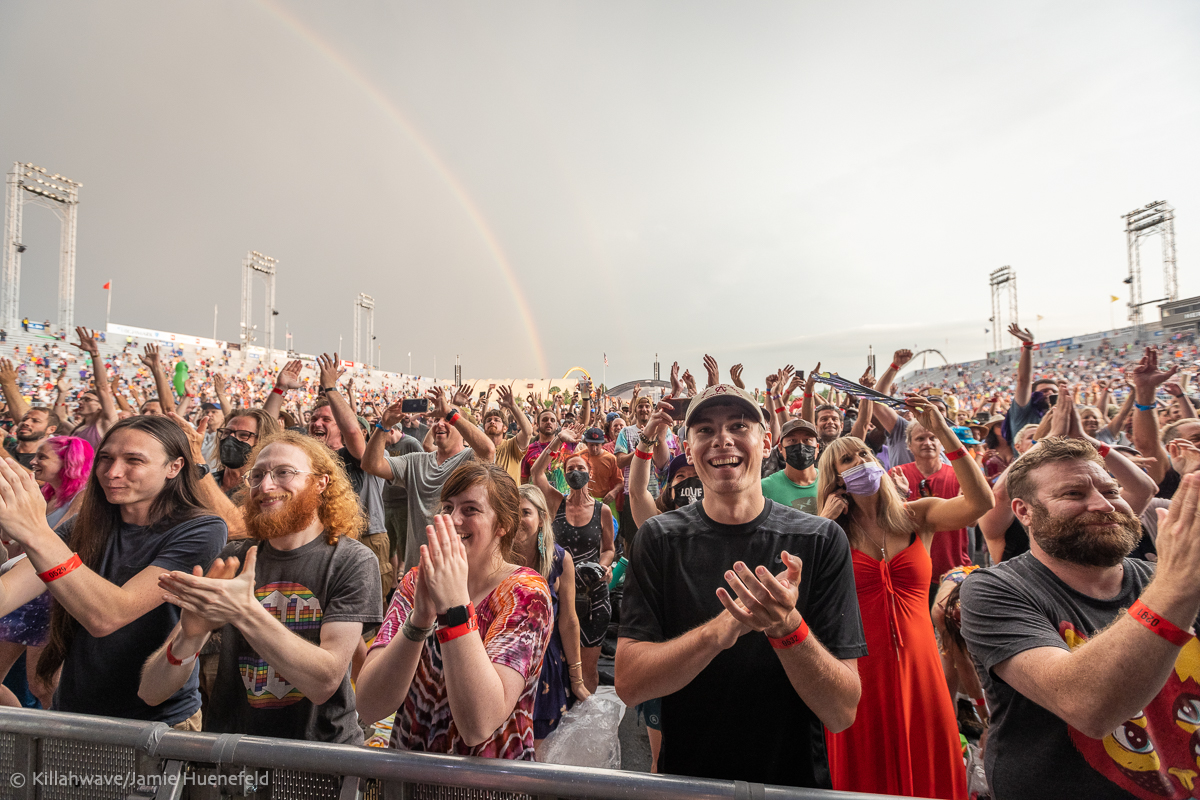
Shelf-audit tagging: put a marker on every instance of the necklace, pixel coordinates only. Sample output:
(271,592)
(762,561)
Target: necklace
(882,547)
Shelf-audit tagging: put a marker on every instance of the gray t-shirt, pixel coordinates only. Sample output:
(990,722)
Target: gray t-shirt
(394,495)
(369,489)
(897,444)
(423,477)
(1032,753)
(302,588)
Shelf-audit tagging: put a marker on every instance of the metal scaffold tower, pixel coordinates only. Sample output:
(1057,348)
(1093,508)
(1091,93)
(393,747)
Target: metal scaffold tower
(364,306)
(256,262)
(1157,217)
(31,184)
(1003,282)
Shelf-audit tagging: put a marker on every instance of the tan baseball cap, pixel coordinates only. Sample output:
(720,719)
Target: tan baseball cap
(724,393)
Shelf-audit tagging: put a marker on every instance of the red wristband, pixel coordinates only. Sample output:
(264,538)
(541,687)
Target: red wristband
(955,455)
(277,391)
(1159,625)
(54,573)
(808,395)
(792,639)
(178,662)
(1027,345)
(1103,450)
(643,454)
(446,634)
(893,366)
(781,411)
(453,417)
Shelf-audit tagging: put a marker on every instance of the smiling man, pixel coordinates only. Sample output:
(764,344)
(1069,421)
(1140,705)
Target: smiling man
(706,582)
(290,621)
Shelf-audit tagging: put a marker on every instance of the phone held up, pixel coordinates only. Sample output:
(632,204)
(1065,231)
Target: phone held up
(415,405)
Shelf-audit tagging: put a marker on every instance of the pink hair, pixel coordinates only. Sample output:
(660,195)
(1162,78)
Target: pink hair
(76,456)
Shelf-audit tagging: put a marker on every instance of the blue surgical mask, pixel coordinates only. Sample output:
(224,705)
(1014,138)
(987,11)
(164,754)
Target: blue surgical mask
(864,479)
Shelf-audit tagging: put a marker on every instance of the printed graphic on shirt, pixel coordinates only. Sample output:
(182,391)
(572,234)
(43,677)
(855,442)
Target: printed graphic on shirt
(295,607)
(1156,754)
(806,504)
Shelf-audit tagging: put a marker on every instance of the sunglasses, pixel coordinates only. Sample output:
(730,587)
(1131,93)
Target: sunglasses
(923,488)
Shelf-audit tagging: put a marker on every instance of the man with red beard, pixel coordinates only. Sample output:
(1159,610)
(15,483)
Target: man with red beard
(291,619)
(1078,646)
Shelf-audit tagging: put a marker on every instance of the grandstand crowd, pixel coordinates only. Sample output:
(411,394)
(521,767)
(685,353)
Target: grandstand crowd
(867,588)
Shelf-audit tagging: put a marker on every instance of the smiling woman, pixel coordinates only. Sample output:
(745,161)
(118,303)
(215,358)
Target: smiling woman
(470,689)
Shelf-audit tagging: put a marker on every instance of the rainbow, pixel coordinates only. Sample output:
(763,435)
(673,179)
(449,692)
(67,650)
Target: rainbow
(307,34)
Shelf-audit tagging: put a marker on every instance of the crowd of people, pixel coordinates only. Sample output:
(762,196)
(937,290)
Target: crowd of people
(851,588)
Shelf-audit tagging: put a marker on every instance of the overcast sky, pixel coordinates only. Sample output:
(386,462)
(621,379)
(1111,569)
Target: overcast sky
(531,185)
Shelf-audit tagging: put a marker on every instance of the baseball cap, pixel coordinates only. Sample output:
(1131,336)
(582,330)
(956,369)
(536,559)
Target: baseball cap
(673,466)
(726,394)
(611,416)
(964,435)
(797,424)
(593,436)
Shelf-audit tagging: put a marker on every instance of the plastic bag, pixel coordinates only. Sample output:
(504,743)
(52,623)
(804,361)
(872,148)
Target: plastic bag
(977,786)
(586,735)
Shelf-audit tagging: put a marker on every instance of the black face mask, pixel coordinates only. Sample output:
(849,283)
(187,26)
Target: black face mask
(800,456)
(686,492)
(578,478)
(233,453)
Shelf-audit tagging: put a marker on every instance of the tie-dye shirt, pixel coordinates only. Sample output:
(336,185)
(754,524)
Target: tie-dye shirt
(515,622)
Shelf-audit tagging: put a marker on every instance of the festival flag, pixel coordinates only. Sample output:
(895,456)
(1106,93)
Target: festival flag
(1040,317)
(107,285)
(1114,297)
(606,359)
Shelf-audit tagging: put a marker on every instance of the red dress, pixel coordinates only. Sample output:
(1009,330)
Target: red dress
(904,740)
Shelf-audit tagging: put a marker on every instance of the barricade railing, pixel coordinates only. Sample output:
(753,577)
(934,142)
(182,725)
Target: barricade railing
(55,756)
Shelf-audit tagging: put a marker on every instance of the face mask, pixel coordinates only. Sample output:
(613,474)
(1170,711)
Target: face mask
(864,479)
(800,456)
(686,492)
(233,453)
(577,478)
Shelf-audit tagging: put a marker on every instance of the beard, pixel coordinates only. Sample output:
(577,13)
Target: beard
(1071,539)
(296,514)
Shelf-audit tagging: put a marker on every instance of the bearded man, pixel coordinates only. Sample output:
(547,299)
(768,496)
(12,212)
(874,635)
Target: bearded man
(291,620)
(1087,656)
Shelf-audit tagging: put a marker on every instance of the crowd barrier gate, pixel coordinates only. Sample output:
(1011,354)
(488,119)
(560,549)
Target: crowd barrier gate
(55,756)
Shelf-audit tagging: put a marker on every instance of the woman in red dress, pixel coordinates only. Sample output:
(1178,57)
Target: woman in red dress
(905,738)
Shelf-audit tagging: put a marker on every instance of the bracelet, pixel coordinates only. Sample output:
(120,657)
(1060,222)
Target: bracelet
(446,634)
(415,634)
(645,455)
(180,662)
(1103,450)
(377,425)
(277,391)
(894,366)
(453,417)
(781,411)
(792,639)
(808,395)
(955,455)
(576,664)
(54,573)
(1159,625)
(644,440)
(1027,345)
(1141,407)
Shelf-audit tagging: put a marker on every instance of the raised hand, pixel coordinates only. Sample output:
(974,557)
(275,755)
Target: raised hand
(928,415)
(22,507)
(688,381)
(660,419)
(811,383)
(1146,376)
(463,394)
(87,341)
(735,375)
(714,372)
(765,602)
(902,484)
(289,376)
(901,357)
(330,370)
(504,397)
(7,373)
(867,379)
(393,414)
(216,601)
(219,384)
(1183,450)
(571,434)
(150,357)
(1170,387)
(676,384)
(438,402)
(795,384)
(1178,546)
(836,505)
(1023,335)
(444,566)
(193,625)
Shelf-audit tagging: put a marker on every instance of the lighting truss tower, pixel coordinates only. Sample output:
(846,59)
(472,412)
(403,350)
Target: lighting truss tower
(1003,282)
(364,306)
(30,184)
(1157,217)
(256,262)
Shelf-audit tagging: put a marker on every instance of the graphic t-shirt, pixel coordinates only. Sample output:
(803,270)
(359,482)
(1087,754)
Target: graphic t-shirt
(780,488)
(554,474)
(679,559)
(515,622)
(101,674)
(303,589)
(1031,752)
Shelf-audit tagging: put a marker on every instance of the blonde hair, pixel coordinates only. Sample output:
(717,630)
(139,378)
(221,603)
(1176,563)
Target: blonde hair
(545,529)
(893,517)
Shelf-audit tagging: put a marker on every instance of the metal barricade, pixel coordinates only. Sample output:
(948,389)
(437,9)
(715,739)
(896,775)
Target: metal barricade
(54,756)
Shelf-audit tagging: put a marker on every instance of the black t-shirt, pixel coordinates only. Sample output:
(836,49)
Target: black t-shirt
(1031,752)
(24,459)
(1169,485)
(740,718)
(101,675)
(302,588)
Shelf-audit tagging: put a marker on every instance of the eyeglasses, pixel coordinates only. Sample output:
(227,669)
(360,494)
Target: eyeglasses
(280,476)
(242,436)
(923,488)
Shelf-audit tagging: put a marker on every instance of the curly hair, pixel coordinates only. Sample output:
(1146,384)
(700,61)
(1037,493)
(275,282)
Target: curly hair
(339,511)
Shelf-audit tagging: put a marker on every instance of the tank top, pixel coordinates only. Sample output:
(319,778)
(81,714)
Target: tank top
(583,543)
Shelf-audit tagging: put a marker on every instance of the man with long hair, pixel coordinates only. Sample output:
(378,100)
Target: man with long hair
(291,619)
(141,515)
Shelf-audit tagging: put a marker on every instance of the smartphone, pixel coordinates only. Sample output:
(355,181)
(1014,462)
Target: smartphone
(415,405)
(935,392)
(1053,399)
(681,406)
(799,374)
